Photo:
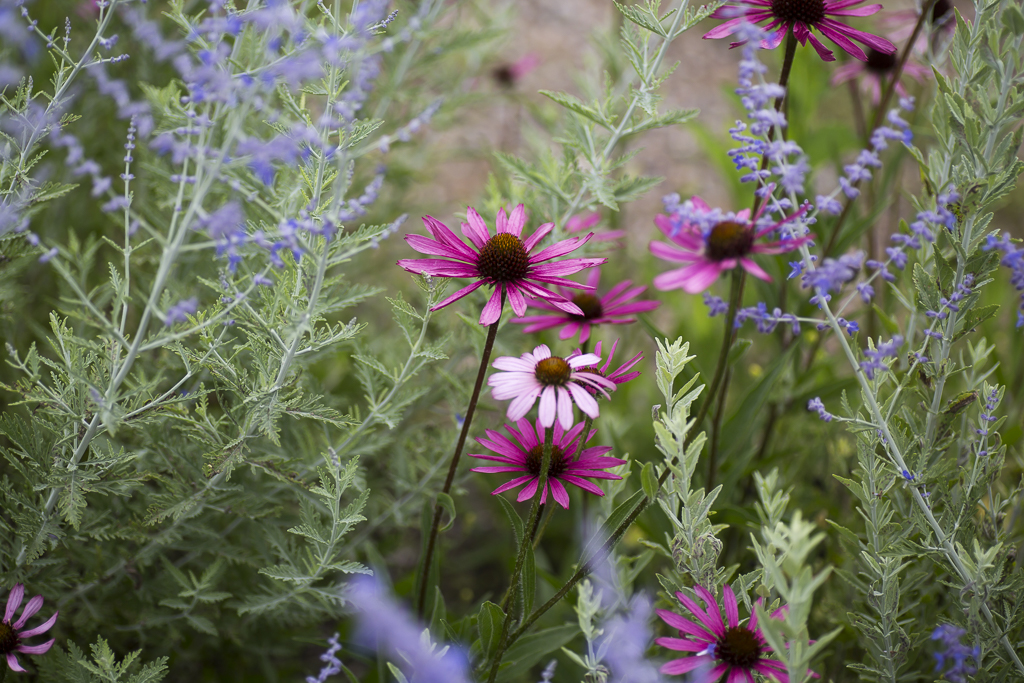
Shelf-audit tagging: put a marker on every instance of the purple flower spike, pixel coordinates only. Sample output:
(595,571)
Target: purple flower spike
(13,633)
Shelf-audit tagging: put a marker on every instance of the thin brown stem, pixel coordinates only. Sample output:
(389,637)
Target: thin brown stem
(428,555)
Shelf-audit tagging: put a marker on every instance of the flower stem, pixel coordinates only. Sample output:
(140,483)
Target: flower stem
(542,485)
(428,556)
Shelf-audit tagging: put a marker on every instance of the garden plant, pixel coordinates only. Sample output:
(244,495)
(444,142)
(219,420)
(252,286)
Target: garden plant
(288,396)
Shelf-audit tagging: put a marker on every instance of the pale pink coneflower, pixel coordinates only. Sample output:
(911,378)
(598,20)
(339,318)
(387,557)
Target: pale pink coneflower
(722,650)
(875,73)
(524,452)
(581,222)
(614,308)
(712,249)
(802,16)
(13,634)
(558,382)
(504,261)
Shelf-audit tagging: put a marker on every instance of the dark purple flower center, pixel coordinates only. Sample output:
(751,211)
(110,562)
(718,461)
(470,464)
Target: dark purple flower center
(940,9)
(739,647)
(553,371)
(880,62)
(589,304)
(808,12)
(504,76)
(729,239)
(503,258)
(8,639)
(558,461)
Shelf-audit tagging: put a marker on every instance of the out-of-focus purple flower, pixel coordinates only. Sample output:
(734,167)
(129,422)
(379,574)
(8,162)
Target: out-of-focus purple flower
(583,222)
(832,274)
(817,406)
(626,637)
(385,623)
(614,308)
(13,633)
(332,665)
(179,312)
(766,320)
(954,654)
(48,256)
(876,356)
(716,305)
(1013,258)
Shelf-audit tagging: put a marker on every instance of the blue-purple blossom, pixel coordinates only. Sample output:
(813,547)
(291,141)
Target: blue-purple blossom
(988,414)
(48,256)
(716,305)
(626,637)
(954,654)
(332,665)
(953,302)
(876,356)
(1013,258)
(385,623)
(179,312)
(766,321)
(832,274)
(549,672)
(817,406)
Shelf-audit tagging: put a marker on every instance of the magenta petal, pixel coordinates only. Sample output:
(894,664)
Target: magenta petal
(528,491)
(685,665)
(682,644)
(438,267)
(42,628)
(516,221)
(754,269)
(425,245)
(685,625)
(561,249)
(559,493)
(518,481)
(726,29)
(587,486)
(492,311)
(516,299)
(669,253)
(13,601)
(458,295)
(732,611)
(539,234)
(37,649)
(31,608)
(12,661)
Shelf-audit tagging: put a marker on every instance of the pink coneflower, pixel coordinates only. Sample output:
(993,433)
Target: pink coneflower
(507,75)
(523,453)
(559,382)
(900,25)
(620,375)
(715,247)
(876,72)
(581,222)
(12,635)
(802,16)
(503,261)
(720,650)
(614,308)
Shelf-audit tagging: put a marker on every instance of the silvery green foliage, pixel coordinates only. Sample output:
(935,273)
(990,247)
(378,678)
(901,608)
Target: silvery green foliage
(173,462)
(928,457)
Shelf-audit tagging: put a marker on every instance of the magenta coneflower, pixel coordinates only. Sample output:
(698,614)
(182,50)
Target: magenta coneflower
(12,635)
(523,453)
(620,375)
(503,261)
(559,382)
(614,308)
(876,72)
(802,16)
(720,649)
(715,247)
(579,223)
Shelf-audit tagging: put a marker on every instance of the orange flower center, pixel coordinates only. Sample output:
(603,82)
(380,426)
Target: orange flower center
(553,371)
(729,239)
(808,12)
(503,258)
(536,454)
(589,304)
(739,647)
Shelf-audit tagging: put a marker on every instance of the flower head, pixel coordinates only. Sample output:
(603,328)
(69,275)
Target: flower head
(733,650)
(614,308)
(558,382)
(12,634)
(507,75)
(581,222)
(620,375)
(504,261)
(711,242)
(876,71)
(801,16)
(524,451)
(955,653)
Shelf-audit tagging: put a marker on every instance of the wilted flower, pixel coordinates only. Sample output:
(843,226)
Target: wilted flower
(801,16)
(712,242)
(614,308)
(503,261)
(12,635)
(558,382)
(735,651)
(524,452)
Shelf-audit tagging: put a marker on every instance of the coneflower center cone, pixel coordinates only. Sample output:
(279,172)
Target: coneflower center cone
(557,466)
(879,62)
(589,304)
(729,239)
(8,639)
(553,371)
(739,647)
(503,258)
(941,9)
(808,12)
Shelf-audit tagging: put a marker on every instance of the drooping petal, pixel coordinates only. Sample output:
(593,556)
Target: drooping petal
(31,608)
(42,628)
(13,601)
(12,661)
(476,229)
(732,611)
(587,486)
(37,649)
(492,311)
(548,406)
(754,269)
(565,406)
(468,289)
(540,233)
(685,665)
(682,644)
(518,481)
(521,405)
(584,400)
(528,492)
(559,493)
(438,267)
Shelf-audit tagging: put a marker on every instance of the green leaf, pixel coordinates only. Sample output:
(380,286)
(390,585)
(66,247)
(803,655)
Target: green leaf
(530,649)
(489,621)
(513,516)
(446,502)
(574,105)
(649,481)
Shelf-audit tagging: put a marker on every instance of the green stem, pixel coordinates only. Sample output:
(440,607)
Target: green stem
(542,485)
(428,556)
